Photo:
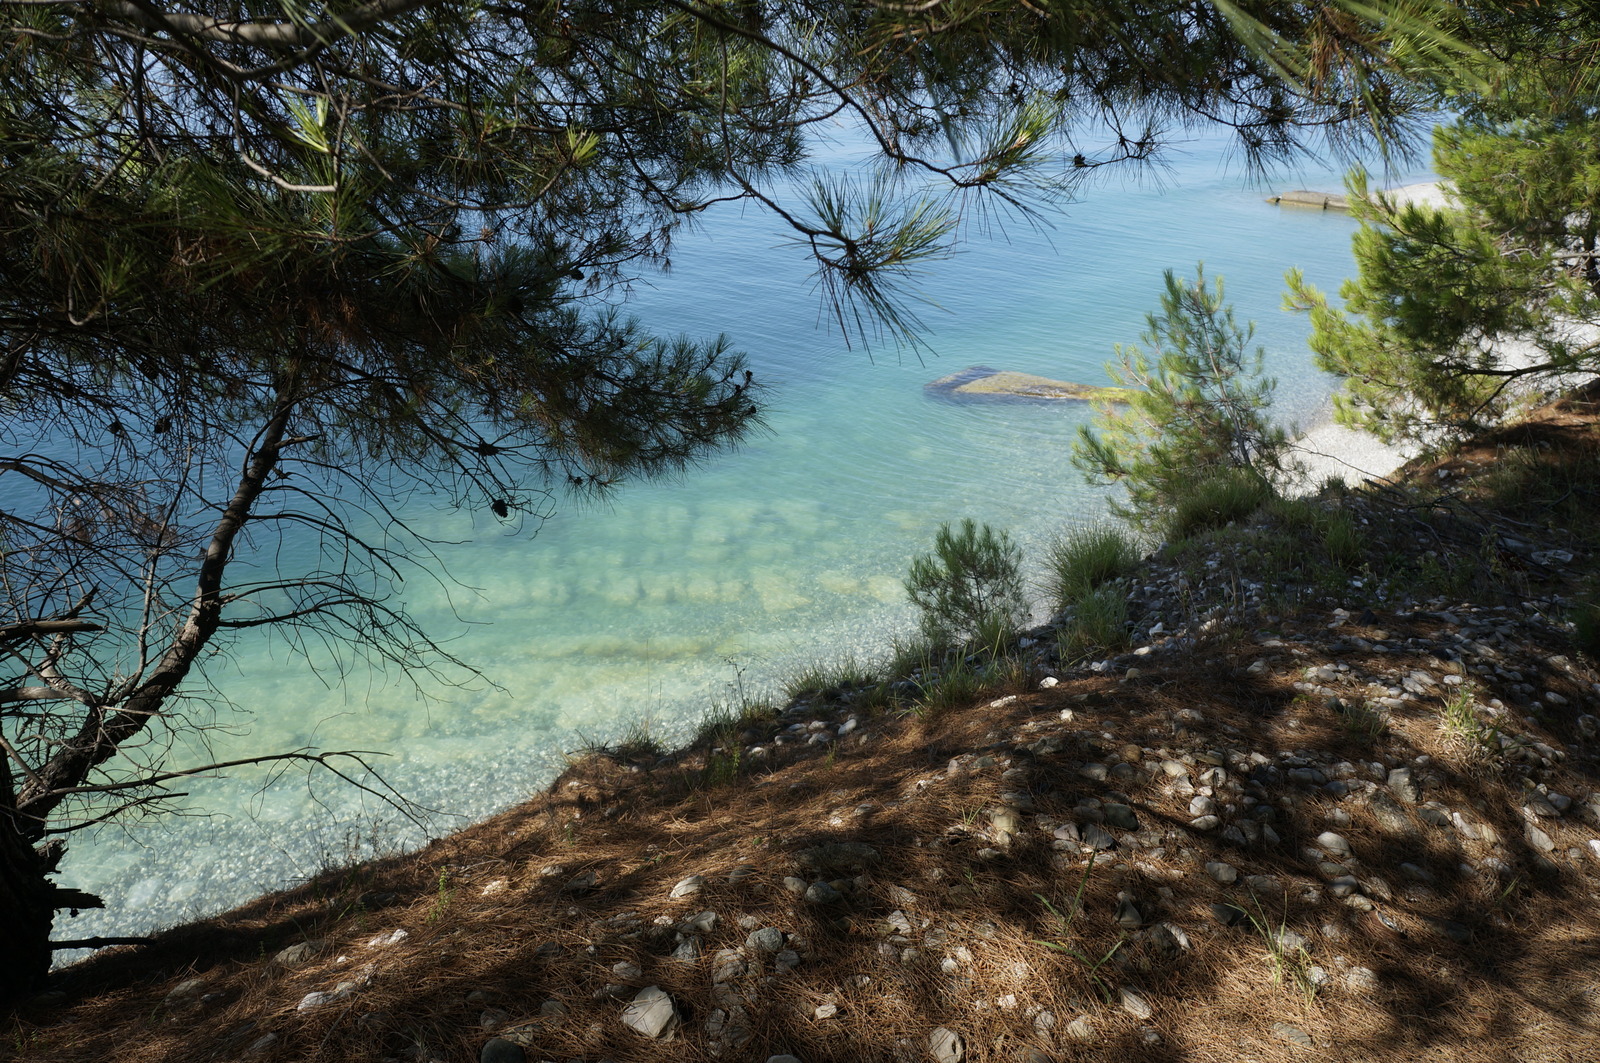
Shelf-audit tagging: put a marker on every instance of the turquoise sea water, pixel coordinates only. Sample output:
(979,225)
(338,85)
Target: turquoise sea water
(787,550)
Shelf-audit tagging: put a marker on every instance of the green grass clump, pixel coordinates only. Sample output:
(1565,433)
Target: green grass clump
(1099,623)
(1087,558)
(829,679)
(1221,499)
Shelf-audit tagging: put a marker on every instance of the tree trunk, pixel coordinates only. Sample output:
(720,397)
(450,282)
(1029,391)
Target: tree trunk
(28,900)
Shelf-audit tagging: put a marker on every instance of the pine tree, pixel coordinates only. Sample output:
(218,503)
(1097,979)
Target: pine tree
(1196,407)
(1458,310)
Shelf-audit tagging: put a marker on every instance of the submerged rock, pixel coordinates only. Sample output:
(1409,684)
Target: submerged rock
(980,383)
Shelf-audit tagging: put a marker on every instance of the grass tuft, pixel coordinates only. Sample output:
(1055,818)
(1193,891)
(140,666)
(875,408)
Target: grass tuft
(1228,496)
(1085,559)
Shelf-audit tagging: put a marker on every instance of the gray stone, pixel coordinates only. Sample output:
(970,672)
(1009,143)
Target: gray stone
(1128,915)
(946,1045)
(1229,915)
(1360,980)
(188,989)
(1081,1029)
(1417,873)
(295,955)
(499,1050)
(1539,839)
(688,887)
(1390,816)
(1334,843)
(1135,1004)
(1097,837)
(822,893)
(767,939)
(1031,1055)
(1226,874)
(727,965)
(651,1013)
(700,922)
(1293,1034)
(785,1058)
(1205,823)
(1121,817)
(838,855)
(1450,929)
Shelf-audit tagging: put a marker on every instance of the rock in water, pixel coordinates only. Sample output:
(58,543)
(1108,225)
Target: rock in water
(981,383)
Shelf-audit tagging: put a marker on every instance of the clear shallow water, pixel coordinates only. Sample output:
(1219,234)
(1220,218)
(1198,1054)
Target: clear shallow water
(788,550)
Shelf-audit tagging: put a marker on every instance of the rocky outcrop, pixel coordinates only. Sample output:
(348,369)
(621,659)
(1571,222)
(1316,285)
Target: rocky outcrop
(980,383)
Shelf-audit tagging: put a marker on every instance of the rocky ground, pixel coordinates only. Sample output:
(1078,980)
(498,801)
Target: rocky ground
(1325,805)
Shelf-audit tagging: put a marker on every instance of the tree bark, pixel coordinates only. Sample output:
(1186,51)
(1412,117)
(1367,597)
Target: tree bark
(27,898)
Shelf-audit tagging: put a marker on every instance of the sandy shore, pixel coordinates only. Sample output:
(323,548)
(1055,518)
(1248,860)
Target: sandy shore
(1331,449)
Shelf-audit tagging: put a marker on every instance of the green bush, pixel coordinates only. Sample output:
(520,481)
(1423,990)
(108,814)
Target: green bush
(1196,403)
(1220,499)
(1086,558)
(969,589)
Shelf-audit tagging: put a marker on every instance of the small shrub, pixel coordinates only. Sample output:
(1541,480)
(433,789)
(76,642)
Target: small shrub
(1085,558)
(970,587)
(1479,742)
(1363,721)
(1227,496)
(1196,403)
(1586,629)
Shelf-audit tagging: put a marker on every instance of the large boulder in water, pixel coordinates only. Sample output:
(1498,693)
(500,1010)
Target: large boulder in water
(980,383)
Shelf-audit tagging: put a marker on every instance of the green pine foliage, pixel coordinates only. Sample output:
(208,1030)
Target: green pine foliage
(1198,408)
(969,589)
(1459,311)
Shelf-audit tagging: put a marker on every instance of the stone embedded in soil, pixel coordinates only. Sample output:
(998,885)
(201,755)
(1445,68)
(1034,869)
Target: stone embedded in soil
(1293,1034)
(1081,1029)
(1097,837)
(1390,816)
(1135,1004)
(1226,874)
(499,1050)
(688,887)
(1334,843)
(822,893)
(1128,915)
(1121,817)
(1360,980)
(651,1013)
(946,1045)
(767,939)
(1229,915)
(295,955)
(189,989)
